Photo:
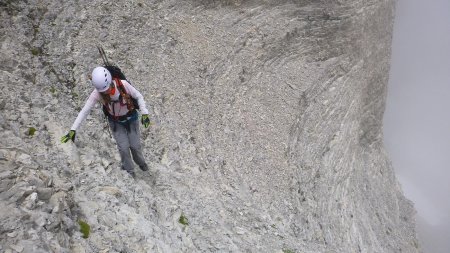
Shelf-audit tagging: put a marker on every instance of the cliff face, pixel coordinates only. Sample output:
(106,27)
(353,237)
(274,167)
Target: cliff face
(267,134)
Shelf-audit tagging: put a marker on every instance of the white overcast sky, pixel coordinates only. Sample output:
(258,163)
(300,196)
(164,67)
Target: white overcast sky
(417,116)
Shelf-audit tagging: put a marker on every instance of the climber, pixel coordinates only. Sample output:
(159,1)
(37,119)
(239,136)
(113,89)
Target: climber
(117,97)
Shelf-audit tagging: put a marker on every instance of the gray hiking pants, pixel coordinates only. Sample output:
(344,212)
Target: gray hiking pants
(128,138)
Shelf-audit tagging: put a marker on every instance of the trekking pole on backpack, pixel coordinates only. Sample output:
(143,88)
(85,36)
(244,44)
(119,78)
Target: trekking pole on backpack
(115,71)
(103,55)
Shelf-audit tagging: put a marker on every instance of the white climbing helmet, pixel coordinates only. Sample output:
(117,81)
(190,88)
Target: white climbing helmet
(101,78)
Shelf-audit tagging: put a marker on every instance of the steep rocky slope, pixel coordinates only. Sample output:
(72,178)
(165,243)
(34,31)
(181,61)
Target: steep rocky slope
(266,136)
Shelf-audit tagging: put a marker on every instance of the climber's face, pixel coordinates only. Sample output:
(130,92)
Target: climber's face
(110,91)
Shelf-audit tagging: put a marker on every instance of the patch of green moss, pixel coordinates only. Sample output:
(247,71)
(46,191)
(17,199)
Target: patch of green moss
(31,131)
(36,51)
(52,90)
(85,229)
(183,220)
(288,251)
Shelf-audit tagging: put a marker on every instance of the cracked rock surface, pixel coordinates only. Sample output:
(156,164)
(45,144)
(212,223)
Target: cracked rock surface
(266,132)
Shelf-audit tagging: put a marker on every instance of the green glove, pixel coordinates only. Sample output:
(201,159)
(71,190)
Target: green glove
(145,120)
(69,136)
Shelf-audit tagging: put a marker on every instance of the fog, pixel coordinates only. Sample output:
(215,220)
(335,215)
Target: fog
(417,116)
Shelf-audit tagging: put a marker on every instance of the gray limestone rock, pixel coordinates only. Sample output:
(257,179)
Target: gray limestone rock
(266,137)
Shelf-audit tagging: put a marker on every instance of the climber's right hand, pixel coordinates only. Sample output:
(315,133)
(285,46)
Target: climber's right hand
(69,136)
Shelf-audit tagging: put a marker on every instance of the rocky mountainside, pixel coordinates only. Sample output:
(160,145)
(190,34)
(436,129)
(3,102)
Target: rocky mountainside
(266,132)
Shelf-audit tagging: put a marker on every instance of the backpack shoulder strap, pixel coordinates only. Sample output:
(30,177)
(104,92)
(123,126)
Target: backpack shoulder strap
(120,86)
(129,100)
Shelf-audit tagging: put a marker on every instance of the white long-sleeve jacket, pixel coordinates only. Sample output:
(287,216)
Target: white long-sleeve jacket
(119,108)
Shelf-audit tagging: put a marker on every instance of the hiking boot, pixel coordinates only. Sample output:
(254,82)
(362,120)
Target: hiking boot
(144,167)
